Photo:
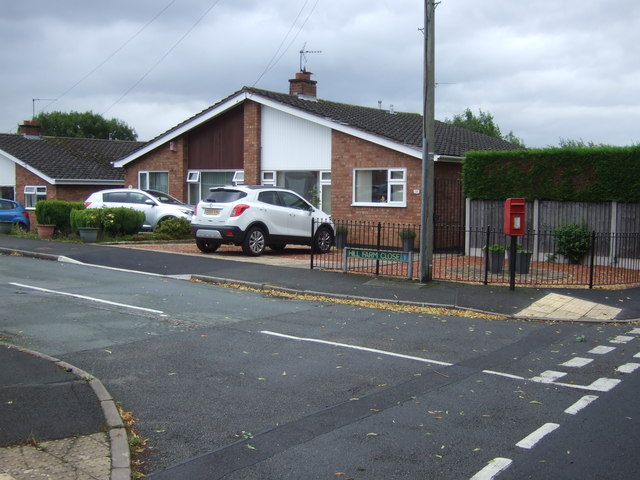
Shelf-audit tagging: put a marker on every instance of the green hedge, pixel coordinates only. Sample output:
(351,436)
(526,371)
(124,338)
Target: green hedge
(121,221)
(564,174)
(56,212)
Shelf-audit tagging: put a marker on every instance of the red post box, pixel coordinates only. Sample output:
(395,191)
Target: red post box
(514,223)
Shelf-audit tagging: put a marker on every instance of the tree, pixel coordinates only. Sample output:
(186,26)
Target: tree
(84,125)
(571,143)
(483,123)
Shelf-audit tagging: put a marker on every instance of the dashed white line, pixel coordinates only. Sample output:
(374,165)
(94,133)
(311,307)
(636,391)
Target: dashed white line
(580,404)
(530,440)
(622,339)
(356,347)
(601,350)
(577,362)
(492,469)
(628,368)
(91,299)
(548,376)
(635,331)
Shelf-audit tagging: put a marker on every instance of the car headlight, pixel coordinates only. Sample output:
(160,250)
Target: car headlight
(186,211)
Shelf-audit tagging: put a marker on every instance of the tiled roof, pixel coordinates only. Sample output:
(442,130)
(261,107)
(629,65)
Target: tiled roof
(74,159)
(403,128)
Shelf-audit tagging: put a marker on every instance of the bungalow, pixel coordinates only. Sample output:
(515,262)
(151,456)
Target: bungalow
(353,162)
(33,167)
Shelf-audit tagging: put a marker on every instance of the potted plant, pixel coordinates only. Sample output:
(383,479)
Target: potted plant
(341,236)
(495,254)
(408,236)
(523,259)
(45,217)
(87,223)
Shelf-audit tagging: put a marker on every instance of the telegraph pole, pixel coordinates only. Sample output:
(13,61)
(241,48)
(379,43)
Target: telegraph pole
(428,145)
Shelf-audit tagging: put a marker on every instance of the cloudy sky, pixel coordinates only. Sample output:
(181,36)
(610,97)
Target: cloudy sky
(546,70)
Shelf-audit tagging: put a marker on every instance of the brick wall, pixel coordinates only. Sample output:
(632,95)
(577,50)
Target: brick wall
(347,153)
(252,139)
(171,157)
(67,193)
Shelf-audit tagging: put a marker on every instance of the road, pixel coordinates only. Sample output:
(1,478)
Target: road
(235,385)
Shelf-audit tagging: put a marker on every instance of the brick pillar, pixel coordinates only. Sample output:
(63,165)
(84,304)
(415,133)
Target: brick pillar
(252,146)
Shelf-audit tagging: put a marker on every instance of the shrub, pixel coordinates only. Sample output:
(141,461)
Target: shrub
(121,220)
(572,241)
(173,228)
(85,218)
(56,212)
(407,233)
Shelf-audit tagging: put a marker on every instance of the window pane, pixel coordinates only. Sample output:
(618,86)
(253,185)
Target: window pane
(215,179)
(159,181)
(397,175)
(397,193)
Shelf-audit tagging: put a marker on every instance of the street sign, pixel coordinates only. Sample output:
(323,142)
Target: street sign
(389,255)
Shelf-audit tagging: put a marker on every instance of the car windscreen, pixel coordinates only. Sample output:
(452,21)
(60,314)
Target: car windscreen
(164,197)
(224,196)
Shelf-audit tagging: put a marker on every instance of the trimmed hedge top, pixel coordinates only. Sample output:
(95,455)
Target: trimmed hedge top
(563,174)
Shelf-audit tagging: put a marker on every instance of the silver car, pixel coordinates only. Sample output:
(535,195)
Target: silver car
(157,206)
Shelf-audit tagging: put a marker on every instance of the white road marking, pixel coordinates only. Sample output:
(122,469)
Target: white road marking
(637,355)
(622,339)
(548,376)
(603,384)
(628,368)
(355,347)
(601,350)
(530,440)
(635,331)
(577,362)
(492,469)
(506,375)
(91,299)
(580,404)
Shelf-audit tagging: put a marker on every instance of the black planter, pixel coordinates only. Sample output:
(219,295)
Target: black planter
(496,261)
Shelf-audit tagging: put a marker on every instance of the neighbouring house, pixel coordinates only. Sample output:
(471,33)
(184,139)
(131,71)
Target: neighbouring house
(35,167)
(353,162)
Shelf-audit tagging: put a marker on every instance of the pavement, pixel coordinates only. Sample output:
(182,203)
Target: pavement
(82,435)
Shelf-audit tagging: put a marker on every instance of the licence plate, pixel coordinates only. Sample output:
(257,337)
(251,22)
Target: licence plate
(212,211)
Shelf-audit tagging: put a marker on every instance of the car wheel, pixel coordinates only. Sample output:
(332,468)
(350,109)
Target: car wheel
(254,242)
(322,240)
(277,246)
(207,246)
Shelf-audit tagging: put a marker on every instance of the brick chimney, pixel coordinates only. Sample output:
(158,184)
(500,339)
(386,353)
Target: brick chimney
(302,85)
(30,128)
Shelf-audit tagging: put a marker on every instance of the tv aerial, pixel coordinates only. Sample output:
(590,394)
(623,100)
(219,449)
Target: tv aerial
(303,57)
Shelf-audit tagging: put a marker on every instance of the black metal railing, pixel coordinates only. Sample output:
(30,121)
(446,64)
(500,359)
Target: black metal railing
(482,255)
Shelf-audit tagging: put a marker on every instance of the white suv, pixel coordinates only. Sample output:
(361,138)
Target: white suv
(157,206)
(256,217)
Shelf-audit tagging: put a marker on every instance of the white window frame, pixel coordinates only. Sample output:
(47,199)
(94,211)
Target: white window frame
(238,177)
(193,176)
(269,178)
(392,179)
(38,191)
(144,174)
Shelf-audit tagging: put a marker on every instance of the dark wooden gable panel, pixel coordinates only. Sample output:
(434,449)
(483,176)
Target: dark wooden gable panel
(218,144)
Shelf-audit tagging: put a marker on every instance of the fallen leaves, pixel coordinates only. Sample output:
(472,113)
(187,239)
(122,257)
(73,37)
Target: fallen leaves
(374,304)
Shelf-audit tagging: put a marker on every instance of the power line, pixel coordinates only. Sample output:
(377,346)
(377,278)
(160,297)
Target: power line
(127,42)
(272,63)
(161,59)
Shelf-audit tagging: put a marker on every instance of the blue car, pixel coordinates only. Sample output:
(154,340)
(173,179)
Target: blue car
(12,211)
